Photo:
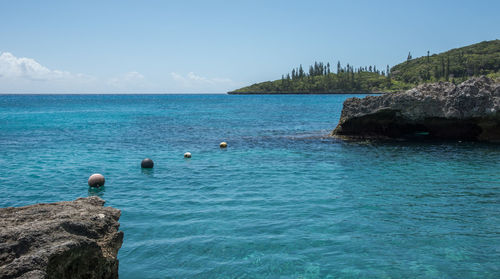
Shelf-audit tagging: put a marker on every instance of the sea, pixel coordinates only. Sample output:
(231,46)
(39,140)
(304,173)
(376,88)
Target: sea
(283,200)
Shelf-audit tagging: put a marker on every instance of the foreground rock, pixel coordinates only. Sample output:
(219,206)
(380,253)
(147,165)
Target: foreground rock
(469,111)
(77,239)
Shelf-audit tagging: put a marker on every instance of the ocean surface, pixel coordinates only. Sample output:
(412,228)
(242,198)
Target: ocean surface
(282,201)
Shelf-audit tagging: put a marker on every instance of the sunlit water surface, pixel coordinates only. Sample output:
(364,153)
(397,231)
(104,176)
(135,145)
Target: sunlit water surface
(282,201)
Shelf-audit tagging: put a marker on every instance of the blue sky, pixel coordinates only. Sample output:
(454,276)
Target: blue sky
(215,46)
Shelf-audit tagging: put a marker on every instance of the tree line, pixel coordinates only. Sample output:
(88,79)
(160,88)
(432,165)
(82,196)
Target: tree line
(454,65)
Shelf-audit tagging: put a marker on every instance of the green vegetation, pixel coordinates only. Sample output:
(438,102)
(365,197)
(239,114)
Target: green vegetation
(455,65)
(321,80)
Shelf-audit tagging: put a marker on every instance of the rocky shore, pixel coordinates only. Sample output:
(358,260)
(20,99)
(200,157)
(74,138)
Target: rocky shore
(443,110)
(74,239)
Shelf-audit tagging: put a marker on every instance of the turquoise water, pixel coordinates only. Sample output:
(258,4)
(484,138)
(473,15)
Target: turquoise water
(282,201)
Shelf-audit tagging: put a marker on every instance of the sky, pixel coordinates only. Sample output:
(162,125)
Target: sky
(215,46)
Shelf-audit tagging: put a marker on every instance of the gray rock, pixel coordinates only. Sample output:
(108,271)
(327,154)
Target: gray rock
(74,239)
(470,111)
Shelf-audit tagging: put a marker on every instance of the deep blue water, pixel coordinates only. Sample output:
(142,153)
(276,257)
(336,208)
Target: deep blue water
(282,201)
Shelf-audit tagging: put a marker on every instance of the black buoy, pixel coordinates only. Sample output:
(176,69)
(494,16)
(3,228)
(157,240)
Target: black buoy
(96,180)
(147,164)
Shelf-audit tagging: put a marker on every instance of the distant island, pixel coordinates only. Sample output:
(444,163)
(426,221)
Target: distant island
(455,65)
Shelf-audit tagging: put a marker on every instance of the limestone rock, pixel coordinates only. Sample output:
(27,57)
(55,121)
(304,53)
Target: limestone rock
(74,239)
(470,111)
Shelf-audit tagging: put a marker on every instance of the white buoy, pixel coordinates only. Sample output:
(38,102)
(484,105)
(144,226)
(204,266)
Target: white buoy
(187,155)
(96,180)
(223,144)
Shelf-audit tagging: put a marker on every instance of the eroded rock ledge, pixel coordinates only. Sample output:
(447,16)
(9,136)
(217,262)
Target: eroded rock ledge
(468,111)
(75,239)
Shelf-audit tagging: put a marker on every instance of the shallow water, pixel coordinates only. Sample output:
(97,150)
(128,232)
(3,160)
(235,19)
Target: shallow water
(282,201)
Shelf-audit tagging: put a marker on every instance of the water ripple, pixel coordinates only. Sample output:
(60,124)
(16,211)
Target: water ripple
(282,201)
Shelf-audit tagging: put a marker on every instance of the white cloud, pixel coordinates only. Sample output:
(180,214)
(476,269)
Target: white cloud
(131,79)
(177,77)
(27,68)
(197,83)
(26,75)
(191,79)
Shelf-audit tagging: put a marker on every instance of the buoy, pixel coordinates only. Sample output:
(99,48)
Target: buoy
(147,164)
(187,155)
(223,144)
(96,180)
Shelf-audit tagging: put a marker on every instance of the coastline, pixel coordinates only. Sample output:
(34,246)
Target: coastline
(304,93)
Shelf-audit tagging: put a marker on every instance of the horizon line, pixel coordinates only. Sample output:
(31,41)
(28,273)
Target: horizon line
(147,93)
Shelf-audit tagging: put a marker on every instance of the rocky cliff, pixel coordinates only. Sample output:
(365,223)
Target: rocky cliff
(469,111)
(76,239)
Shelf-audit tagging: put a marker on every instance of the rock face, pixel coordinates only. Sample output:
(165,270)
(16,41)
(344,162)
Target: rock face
(469,111)
(76,239)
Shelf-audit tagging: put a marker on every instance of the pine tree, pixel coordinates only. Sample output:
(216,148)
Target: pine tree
(436,72)
(442,67)
(447,74)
